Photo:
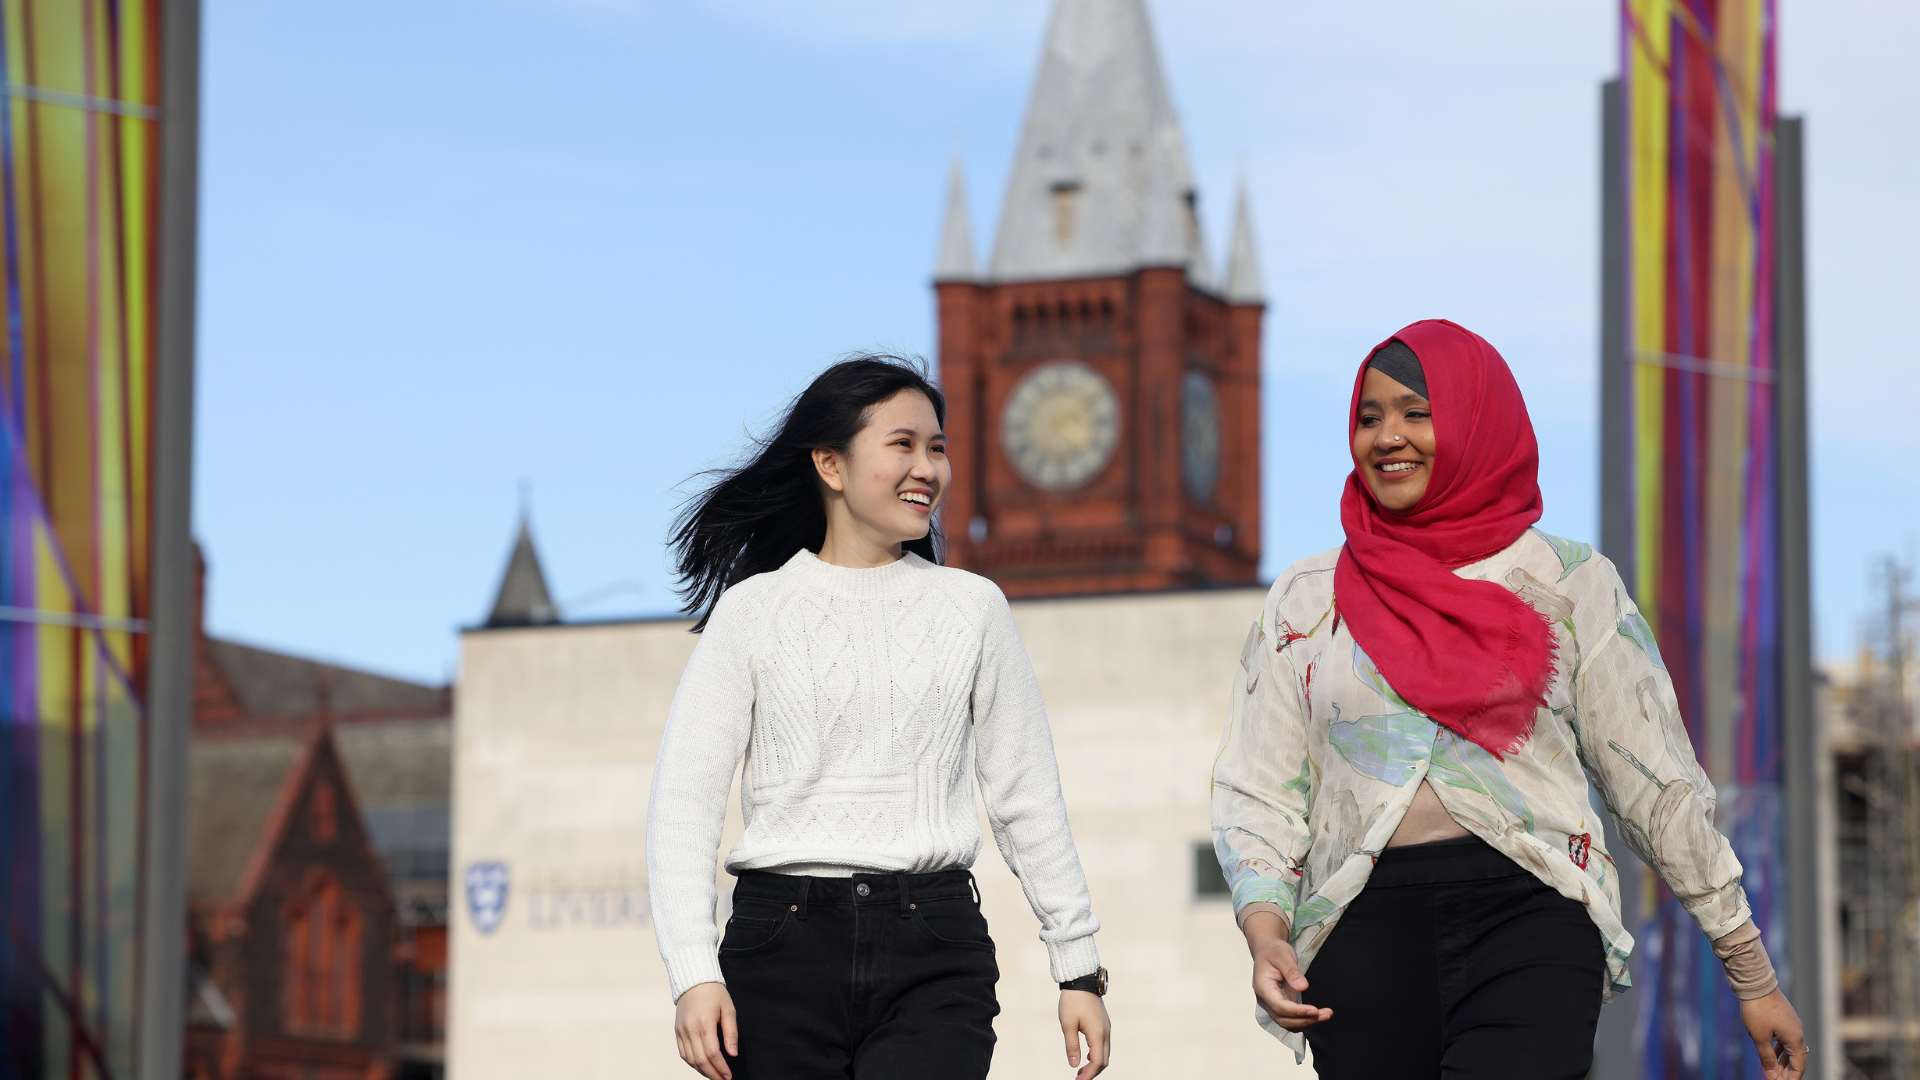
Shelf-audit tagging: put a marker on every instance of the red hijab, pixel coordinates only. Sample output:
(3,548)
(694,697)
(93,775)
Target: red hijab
(1469,654)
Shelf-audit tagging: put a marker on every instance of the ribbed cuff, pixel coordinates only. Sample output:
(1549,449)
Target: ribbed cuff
(688,968)
(1072,958)
(1744,956)
(1258,906)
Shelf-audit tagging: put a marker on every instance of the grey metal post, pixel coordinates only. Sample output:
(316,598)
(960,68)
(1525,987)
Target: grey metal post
(1613,1044)
(1616,360)
(163,978)
(1810,899)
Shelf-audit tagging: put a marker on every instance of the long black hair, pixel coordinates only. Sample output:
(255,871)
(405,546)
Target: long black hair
(752,518)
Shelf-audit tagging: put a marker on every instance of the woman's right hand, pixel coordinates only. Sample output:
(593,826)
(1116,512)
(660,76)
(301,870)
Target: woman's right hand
(1277,980)
(704,1010)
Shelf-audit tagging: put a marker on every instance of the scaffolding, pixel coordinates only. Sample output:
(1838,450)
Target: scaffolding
(1877,761)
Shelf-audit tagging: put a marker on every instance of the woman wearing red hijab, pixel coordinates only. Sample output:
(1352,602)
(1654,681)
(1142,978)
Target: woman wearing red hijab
(1401,800)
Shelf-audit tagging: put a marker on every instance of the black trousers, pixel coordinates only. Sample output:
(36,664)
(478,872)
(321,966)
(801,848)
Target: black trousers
(1454,962)
(871,977)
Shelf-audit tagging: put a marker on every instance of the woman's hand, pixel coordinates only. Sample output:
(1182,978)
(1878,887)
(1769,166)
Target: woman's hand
(1777,1036)
(703,1009)
(1084,1014)
(1277,980)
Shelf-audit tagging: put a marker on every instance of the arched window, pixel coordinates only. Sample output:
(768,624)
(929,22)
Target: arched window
(321,994)
(326,817)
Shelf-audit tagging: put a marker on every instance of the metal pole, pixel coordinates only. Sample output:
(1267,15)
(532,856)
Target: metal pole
(1810,894)
(163,978)
(1614,1050)
(1616,365)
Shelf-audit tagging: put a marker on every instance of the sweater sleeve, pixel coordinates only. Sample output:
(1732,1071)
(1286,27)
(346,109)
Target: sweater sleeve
(700,750)
(1020,783)
(1262,783)
(1636,748)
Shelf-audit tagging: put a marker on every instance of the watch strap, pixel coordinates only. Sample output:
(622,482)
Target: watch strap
(1095,983)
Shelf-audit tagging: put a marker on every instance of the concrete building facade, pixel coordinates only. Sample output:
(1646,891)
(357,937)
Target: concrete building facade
(555,970)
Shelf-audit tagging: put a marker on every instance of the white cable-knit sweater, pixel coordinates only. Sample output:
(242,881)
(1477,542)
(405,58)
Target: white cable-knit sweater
(859,699)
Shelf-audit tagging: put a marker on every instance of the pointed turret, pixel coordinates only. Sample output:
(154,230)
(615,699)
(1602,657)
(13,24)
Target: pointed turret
(1241,284)
(955,260)
(523,599)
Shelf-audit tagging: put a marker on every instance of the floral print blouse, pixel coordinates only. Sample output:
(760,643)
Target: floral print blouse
(1321,758)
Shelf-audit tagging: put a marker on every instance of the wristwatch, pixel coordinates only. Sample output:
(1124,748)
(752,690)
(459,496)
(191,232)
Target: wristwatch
(1095,983)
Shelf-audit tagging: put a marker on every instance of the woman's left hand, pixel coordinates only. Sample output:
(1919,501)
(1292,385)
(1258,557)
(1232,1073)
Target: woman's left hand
(1777,1036)
(1084,1014)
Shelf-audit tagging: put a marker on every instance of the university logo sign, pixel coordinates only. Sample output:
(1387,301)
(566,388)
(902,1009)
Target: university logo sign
(487,894)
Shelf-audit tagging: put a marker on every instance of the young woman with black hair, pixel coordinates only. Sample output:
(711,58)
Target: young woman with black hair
(1401,798)
(860,682)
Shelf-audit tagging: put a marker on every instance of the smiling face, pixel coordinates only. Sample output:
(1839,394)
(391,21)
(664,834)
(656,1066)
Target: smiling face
(893,474)
(1393,442)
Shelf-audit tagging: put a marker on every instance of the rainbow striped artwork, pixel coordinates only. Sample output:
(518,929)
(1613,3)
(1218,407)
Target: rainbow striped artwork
(1699,78)
(79,157)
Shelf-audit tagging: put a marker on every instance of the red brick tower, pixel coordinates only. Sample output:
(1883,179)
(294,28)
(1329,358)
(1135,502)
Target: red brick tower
(1103,379)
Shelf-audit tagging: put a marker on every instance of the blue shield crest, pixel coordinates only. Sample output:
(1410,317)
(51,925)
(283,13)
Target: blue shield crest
(487,894)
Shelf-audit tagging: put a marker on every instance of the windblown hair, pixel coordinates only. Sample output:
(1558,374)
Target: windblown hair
(752,518)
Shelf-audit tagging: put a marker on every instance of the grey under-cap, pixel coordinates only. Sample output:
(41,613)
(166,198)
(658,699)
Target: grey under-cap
(1397,362)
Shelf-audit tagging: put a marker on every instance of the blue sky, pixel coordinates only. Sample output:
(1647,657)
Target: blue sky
(589,244)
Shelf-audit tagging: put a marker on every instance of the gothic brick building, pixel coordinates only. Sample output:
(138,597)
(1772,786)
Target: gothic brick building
(318,834)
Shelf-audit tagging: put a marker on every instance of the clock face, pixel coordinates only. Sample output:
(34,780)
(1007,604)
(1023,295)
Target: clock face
(1061,425)
(1199,436)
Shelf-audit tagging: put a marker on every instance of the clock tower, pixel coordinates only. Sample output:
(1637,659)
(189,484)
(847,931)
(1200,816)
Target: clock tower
(1102,377)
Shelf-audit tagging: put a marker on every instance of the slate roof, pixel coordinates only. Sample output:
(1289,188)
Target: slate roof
(275,684)
(400,768)
(233,785)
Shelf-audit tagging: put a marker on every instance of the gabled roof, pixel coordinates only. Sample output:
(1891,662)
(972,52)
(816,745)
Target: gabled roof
(235,788)
(243,795)
(276,684)
(402,772)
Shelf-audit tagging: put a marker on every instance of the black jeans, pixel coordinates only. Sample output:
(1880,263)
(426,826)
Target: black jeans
(1454,962)
(872,977)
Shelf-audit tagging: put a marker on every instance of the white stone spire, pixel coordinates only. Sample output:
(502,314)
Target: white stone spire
(1100,183)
